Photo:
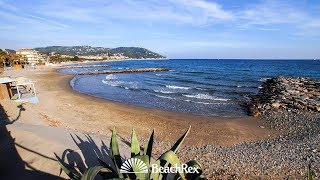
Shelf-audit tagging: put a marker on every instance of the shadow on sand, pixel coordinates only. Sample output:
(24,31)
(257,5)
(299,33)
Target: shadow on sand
(88,155)
(12,165)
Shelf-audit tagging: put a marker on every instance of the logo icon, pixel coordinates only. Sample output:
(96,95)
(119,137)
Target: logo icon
(134,165)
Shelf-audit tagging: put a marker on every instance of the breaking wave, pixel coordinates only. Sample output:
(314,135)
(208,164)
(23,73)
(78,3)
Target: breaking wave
(111,77)
(177,87)
(163,92)
(205,96)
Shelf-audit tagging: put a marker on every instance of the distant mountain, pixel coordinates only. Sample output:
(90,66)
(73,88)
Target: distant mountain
(130,52)
(10,51)
(73,50)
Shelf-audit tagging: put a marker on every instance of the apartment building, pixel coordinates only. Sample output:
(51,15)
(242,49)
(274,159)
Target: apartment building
(33,56)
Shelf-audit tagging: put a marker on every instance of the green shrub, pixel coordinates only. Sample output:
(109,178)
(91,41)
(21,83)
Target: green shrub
(140,163)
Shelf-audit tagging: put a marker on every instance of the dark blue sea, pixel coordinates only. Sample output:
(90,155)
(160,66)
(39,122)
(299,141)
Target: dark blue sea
(206,87)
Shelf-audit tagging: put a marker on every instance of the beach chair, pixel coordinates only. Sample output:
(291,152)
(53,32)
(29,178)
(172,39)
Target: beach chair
(25,86)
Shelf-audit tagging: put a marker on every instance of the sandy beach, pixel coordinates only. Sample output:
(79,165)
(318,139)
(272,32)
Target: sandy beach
(215,141)
(62,108)
(229,89)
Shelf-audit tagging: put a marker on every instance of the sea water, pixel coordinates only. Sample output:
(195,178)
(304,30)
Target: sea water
(199,86)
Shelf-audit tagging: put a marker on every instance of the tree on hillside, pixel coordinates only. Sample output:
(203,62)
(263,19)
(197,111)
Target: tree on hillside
(75,58)
(3,56)
(55,59)
(9,59)
(16,58)
(2,53)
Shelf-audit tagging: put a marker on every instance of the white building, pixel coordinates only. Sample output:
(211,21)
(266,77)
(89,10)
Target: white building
(33,56)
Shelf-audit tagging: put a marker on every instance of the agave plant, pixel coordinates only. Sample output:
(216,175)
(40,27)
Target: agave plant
(310,172)
(139,166)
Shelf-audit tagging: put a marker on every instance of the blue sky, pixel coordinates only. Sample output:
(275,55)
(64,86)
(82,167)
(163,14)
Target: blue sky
(175,28)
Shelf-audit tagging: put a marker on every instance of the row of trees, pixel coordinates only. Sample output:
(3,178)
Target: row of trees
(58,58)
(8,59)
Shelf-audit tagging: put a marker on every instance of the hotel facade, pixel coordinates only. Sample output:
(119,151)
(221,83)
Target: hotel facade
(33,56)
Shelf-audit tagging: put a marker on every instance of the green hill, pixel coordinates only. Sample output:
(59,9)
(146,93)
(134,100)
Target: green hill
(136,52)
(130,52)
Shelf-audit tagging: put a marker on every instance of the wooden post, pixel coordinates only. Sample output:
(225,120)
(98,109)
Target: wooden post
(9,90)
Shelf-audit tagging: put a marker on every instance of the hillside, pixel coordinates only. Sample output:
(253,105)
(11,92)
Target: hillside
(136,52)
(130,52)
(73,50)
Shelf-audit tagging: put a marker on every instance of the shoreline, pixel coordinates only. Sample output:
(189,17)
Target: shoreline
(184,118)
(223,131)
(237,147)
(140,107)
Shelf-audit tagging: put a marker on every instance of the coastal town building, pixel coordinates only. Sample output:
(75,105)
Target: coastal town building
(33,56)
(106,56)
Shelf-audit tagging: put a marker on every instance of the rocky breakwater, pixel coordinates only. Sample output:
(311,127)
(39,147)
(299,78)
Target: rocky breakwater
(286,93)
(86,66)
(140,70)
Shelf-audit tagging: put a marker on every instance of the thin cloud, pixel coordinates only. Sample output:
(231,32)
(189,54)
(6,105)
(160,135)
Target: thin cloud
(283,16)
(272,12)
(268,29)
(196,12)
(31,21)
(5,5)
(210,9)
(17,15)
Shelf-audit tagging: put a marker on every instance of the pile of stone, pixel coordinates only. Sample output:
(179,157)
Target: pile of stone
(286,93)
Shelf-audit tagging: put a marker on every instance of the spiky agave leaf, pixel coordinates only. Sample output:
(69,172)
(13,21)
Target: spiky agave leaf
(310,173)
(148,146)
(195,165)
(115,154)
(69,170)
(166,159)
(142,176)
(108,166)
(114,148)
(156,175)
(174,149)
(177,145)
(92,172)
(135,147)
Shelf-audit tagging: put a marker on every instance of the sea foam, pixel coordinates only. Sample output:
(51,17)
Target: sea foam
(112,83)
(72,82)
(163,92)
(177,87)
(205,96)
(166,97)
(111,77)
